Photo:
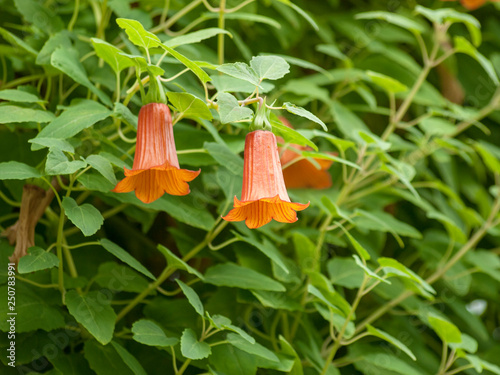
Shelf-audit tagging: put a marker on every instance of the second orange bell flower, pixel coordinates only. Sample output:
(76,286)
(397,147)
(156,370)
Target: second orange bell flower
(156,168)
(264,196)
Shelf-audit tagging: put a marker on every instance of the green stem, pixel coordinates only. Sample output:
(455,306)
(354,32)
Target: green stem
(75,15)
(221,24)
(35,283)
(176,16)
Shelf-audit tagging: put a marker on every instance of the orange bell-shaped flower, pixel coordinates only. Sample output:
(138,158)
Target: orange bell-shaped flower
(264,196)
(473,4)
(303,174)
(156,168)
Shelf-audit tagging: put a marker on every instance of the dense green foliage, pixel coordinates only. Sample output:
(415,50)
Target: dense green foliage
(395,269)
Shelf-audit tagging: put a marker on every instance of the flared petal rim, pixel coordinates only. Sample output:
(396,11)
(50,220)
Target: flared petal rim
(150,184)
(259,212)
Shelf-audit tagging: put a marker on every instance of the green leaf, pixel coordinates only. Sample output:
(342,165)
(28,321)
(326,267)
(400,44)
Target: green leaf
(447,332)
(142,65)
(94,313)
(345,272)
(37,259)
(393,18)
(269,67)
(104,359)
(463,45)
(307,256)
(250,17)
(450,15)
(68,62)
(255,348)
(221,322)
(13,114)
(403,171)
(137,34)
(303,13)
(394,341)
(20,96)
(149,333)
(276,300)
(357,246)
(290,135)
(200,73)
(368,271)
(230,110)
(125,257)
(58,164)
(111,55)
(13,170)
(348,123)
(192,297)
(123,113)
(129,359)
(389,263)
(43,17)
(487,152)
(86,217)
(195,37)
(45,317)
(103,165)
(120,278)
(320,155)
(437,126)
(232,275)
(15,41)
(468,344)
(299,111)
(74,119)
(191,347)
(175,262)
(58,144)
(389,84)
(189,106)
(60,39)
(319,294)
(331,50)
(241,71)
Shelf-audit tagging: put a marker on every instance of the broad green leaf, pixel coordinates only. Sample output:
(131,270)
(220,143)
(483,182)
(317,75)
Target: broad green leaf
(189,106)
(348,123)
(267,248)
(103,165)
(463,45)
(241,71)
(111,55)
(402,173)
(437,126)
(331,50)
(487,152)
(46,317)
(58,164)
(137,34)
(269,67)
(13,170)
(192,297)
(299,111)
(233,275)
(18,42)
(74,119)
(176,262)
(125,257)
(93,311)
(276,300)
(441,16)
(19,96)
(368,271)
(292,60)
(389,84)
(86,217)
(37,259)
(221,322)
(290,135)
(287,348)
(394,18)
(394,341)
(447,332)
(200,73)
(225,83)
(250,17)
(321,155)
(123,113)
(191,347)
(468,344)
(41,16)
(120,278)
(13,114)
(104,360)
(68,62)
(374,141)
(149,333)
(357,246)
(345,272)
(307,256)
(255,348)
(393,263)
(319,294)
(195,37)
(373,360)
(303,13)
(142,65)
(60,39)
(129,359)
(230,110)
(487,262)
(57,143)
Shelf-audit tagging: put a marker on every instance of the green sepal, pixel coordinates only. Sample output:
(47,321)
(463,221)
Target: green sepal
(261,120)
